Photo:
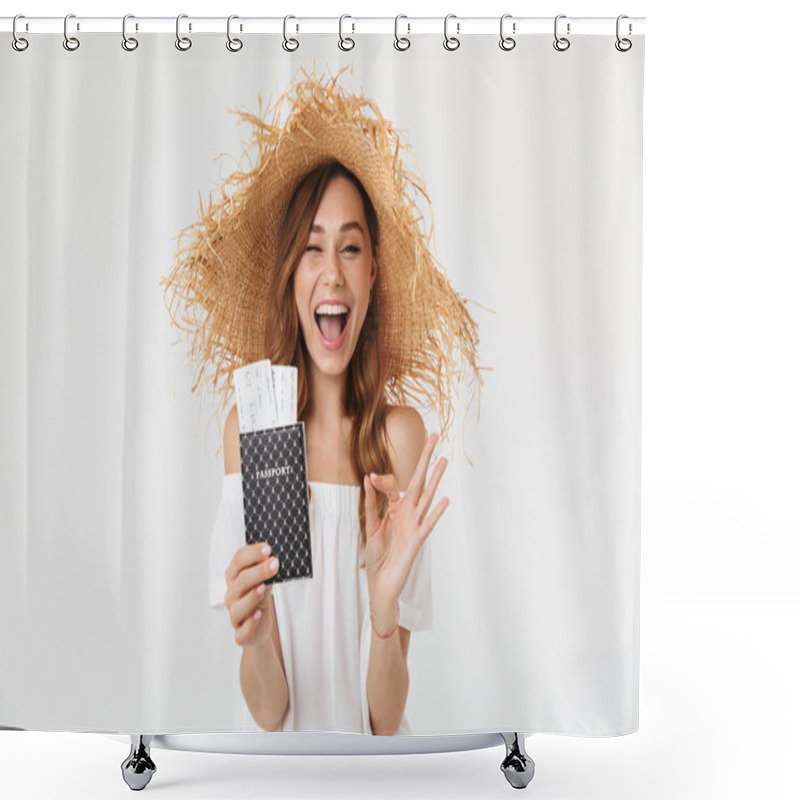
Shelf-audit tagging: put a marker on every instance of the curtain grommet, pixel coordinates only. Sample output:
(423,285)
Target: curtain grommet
(183,43)
(19,43)
(290,44)
(346,43)
(233,44)
(561,43)
(451,42)
(401,42)
(70,43)
(129,43)
(507,42)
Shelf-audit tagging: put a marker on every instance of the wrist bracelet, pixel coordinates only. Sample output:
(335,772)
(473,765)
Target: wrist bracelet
(387,635)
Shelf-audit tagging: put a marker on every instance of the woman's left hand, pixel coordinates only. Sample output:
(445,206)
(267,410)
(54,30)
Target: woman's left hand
(394,540)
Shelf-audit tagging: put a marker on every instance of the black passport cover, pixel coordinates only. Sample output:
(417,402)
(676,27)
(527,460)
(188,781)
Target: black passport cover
(275,489)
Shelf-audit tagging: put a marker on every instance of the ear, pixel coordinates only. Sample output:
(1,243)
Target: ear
(374,271)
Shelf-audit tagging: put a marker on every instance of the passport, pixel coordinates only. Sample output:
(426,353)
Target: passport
(275,489)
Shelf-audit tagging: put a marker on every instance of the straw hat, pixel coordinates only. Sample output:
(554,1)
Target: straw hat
(217,287)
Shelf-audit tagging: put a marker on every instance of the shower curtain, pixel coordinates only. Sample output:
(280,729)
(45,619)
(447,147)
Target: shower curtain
(122,504)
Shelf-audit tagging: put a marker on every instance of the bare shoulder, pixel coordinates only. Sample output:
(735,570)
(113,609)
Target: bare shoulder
(230,442)
(405,431)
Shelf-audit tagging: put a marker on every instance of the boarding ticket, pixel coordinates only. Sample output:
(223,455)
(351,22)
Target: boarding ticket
(285,382)
(266,395)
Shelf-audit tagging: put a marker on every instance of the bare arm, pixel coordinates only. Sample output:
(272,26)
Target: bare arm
(387,673)
(263,681)
(261,672)
(387,680)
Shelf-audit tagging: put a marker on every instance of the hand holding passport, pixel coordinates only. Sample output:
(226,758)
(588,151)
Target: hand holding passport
(274,470)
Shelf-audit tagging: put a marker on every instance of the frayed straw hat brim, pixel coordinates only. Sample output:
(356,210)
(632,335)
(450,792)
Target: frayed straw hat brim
(220,277)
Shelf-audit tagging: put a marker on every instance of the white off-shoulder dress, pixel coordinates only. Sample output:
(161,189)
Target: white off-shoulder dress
(324,621)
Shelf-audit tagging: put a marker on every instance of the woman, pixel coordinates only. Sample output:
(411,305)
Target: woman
(336,270)
(315,258)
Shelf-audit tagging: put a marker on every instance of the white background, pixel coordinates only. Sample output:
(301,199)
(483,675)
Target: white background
(720,471)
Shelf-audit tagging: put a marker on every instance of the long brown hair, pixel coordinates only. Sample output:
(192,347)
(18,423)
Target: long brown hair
(365,395)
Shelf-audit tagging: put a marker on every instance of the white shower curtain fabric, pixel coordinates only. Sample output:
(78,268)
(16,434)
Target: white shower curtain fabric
(118,519)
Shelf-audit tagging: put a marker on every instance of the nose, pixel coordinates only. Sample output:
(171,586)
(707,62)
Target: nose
(332,269)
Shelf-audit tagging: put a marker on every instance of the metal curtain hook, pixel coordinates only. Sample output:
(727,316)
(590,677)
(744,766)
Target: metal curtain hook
(289,44)
(451,42)
(561,43)
(623,45)
(182,42)
(234,45)
(70,42)
(129,43)
(401,42)
(346,43)
(507,42)
(18,42)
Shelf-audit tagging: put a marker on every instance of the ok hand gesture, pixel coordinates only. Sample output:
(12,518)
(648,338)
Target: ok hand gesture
(394,540)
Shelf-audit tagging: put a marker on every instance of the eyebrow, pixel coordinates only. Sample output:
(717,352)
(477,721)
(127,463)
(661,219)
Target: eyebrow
(346,227)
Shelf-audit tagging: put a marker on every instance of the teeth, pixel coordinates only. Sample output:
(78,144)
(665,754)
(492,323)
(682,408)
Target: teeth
(329,308)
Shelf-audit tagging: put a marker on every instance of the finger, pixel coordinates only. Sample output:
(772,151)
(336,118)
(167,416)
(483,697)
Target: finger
(418,478)
(430,489)
(245,557)
(245,631)
(249,603)
(246,606)
(244,589)
(386,484)
(242,595)
(370,505)
(437,512)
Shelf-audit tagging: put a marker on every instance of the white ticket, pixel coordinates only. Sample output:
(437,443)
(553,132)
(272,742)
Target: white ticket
(242,379)
(285,382)
(269,408)
(255,396)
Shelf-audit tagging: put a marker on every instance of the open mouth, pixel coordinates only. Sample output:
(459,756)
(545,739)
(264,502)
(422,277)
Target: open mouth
(331,325)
